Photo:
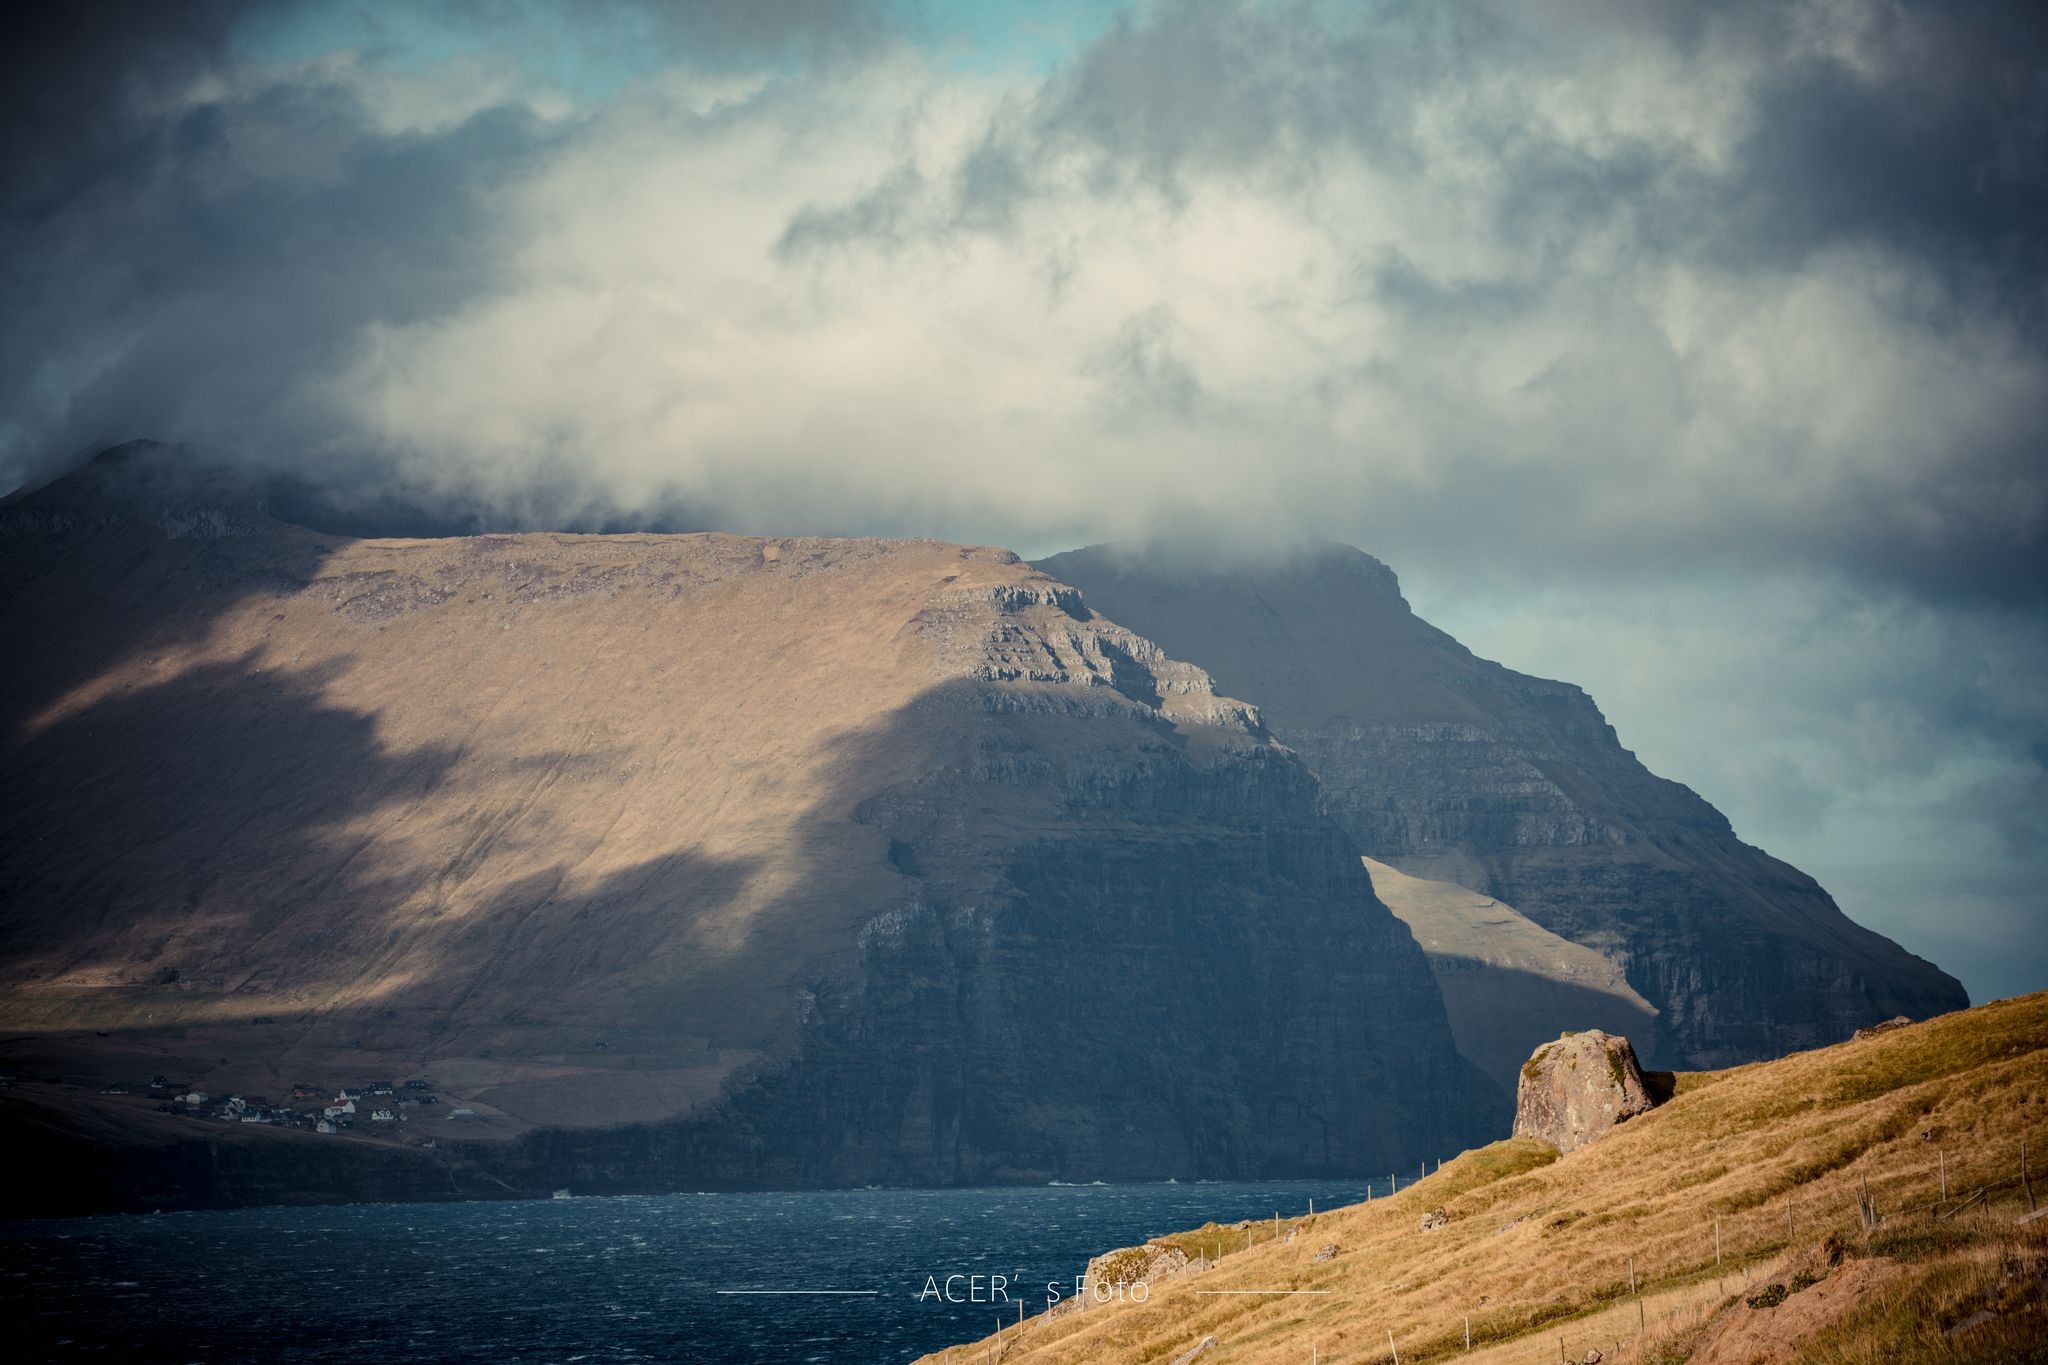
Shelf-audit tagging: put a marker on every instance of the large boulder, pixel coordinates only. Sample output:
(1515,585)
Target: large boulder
(1114,1276)
(1129,1266)
(1573,1091)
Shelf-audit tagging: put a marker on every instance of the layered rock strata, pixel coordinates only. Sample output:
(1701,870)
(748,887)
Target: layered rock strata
(681,861)
(1455,769)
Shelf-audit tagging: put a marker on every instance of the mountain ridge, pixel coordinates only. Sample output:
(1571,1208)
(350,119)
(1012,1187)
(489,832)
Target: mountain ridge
(1455,769)
(695,860)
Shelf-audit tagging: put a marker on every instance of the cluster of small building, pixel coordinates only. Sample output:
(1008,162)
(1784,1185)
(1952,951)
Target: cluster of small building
(310,1106)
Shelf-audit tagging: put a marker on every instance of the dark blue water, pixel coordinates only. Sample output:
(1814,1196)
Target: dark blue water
(626,1279)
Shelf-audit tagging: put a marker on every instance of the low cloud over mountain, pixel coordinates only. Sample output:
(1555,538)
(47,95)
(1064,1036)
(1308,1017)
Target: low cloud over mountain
(1716,328)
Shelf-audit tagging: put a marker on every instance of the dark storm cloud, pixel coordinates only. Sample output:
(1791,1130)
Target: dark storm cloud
(227,248)
(1940,153)
(79,85)
(1916,135)
(2014,803)
(263,239)
(189,250)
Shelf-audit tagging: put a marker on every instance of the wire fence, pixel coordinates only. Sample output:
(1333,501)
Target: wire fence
(1733,1246)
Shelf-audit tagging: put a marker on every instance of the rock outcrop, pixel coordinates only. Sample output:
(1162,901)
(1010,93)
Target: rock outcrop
(685,861)
(1144,1264)
(1454,769)
(1574,1090)
(1127,1274)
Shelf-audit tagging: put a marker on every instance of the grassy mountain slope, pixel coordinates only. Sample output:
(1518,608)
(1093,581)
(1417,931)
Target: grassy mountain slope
(678,860)
(1539,1252)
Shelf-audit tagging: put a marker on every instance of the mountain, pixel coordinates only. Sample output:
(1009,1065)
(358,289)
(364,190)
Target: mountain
(1721,1228)
(1454,769)
(679,861)
(1506,979)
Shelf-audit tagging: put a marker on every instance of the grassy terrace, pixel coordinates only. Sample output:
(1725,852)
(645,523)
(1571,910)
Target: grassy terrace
(1539,1252)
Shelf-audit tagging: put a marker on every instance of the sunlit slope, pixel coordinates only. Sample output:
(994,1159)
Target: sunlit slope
(481,804)
(685,860)
(1508,983)
(1540,1251)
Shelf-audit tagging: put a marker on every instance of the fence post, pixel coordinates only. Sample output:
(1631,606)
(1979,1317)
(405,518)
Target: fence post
(2026,1182)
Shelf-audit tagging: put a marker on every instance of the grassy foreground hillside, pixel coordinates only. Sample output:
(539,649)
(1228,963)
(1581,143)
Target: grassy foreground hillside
(1537,1253)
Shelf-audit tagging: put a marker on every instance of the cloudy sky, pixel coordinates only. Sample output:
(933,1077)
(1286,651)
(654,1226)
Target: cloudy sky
(1695,353)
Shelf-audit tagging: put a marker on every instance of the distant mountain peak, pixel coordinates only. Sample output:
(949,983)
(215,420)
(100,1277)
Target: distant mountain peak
(1453,768)
(140,484)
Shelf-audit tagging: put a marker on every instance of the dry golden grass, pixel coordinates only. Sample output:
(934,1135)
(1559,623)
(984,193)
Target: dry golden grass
(1539,1253)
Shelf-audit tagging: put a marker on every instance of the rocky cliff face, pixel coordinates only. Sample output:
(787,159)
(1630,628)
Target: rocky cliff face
(1125,945)
(1453,768)
(694,860)
(1177,973)
(1506,980)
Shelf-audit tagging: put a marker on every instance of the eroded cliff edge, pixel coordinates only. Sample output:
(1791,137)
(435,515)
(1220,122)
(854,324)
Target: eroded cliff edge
(1453,768)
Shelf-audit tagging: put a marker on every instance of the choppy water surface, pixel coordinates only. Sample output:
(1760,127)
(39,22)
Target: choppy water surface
(597,1280)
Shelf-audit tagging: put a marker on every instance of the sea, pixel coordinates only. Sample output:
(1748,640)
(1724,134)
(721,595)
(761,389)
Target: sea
(854,1276)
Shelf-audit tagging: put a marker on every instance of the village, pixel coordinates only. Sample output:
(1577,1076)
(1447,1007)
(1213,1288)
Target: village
(377,1106)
